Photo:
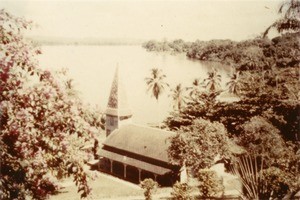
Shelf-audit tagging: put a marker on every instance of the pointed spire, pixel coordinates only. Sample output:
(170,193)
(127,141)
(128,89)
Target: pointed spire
(117,102)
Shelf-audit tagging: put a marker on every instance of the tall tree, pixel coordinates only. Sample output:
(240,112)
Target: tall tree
(234,85)
(42,126)
(278,164)
(212,83)
(156,82)
(178,97)
(195,88)
(290,21)
(199,144)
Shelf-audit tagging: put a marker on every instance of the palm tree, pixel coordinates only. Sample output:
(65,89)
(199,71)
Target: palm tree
(178,97)
(156,82)
(157,85)
(235,84)
(195,89)
(290,20)
(212,83)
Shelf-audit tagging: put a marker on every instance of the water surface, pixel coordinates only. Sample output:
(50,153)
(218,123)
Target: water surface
(92,68)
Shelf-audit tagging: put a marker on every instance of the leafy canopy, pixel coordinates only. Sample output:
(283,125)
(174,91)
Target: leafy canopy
(43,125)
(199,144)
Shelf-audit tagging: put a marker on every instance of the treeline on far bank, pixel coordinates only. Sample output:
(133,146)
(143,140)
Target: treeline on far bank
(252,54)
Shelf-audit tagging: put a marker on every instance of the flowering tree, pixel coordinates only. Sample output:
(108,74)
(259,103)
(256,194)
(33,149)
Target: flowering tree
(43,128)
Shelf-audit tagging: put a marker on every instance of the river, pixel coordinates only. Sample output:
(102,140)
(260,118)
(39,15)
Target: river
(92,68)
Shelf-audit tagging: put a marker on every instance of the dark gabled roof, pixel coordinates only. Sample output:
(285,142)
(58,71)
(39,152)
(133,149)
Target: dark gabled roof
(146,141)
(134,162)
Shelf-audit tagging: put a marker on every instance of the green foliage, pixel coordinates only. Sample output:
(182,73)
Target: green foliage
(247,169)
(43,124)
(263,183)
(205,51)
(213,82)
(181,191)
(290,20)
(194,90)
(272,170)
(235,85)
(93,116)
(176,46)
(149,186)
(199,144)
(265,121)
(272,95)
(254,54)
(198,105)
(261,138)
(285,50)
(275,183)
(210,185)
(178,97)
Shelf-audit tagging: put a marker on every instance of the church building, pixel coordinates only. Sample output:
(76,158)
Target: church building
(134,152)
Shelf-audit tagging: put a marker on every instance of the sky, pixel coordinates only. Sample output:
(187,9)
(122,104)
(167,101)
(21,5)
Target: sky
(152,19)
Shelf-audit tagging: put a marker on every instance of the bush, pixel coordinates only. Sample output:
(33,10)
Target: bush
(149,185)
(210,184)
(274,184)
(181,191)
(264,183)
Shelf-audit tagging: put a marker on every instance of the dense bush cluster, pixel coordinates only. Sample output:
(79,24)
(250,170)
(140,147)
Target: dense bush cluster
(181,191)
(210,184)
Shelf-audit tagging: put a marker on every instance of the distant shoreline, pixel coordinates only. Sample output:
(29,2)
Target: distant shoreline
(49,41)
(84,44)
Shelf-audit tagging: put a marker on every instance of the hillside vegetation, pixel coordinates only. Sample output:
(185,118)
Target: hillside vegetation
(258,53)
(257,136)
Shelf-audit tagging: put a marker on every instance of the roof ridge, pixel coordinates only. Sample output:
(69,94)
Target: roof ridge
(148,127)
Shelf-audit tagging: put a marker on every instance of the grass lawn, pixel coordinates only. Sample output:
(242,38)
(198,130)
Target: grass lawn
(103,187)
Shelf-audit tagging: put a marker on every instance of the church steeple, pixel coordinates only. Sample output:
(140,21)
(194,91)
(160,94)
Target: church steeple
(118,111)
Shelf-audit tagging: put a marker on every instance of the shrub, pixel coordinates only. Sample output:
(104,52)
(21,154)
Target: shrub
(210,184)
(260,183)
(181,191)
(149,186)
(274,184)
